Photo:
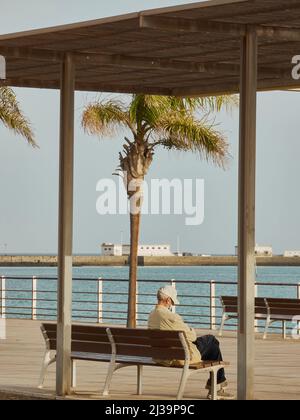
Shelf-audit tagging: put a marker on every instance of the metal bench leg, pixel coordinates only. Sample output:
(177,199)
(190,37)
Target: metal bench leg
(111,370)
(184,377)
(224,319)
(214,385)
(113,367)
(268,323)
(140,380)
(74,374)
(46,363)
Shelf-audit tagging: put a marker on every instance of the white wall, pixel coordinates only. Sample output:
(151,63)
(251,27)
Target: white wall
(108,249)
(155,250)
(264,251)
(291,254)
(111,250)
(160,250)
(260,251)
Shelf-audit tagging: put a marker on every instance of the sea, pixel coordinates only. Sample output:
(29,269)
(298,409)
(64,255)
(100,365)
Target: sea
(194,285)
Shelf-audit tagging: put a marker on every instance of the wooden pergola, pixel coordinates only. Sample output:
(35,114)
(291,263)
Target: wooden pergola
(209,48)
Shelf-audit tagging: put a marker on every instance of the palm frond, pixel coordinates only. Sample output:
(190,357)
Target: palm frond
(217,103)
(186,133)
(164,120)
(12,117)
(146,109)
(207,104)
(105,118)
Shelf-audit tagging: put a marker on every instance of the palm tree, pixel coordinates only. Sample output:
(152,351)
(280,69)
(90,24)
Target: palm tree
(12,117)
(155,121)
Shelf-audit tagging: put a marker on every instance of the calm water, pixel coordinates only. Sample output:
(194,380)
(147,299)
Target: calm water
(194,297)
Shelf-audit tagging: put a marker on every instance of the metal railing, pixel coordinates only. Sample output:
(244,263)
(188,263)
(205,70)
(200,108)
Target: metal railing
(101,300)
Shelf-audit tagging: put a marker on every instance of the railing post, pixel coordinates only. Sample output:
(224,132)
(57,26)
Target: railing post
(3,298)
(100,301)
(256,322)
(137,304)
(34,298)
(173,284)
(298,297)
(213,325)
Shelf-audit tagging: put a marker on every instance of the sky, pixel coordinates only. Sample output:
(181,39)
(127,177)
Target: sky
(29,178)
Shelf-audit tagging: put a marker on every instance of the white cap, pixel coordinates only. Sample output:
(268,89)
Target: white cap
(171,292)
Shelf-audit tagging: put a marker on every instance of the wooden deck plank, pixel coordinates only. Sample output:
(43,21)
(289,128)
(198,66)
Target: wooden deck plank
(277,370)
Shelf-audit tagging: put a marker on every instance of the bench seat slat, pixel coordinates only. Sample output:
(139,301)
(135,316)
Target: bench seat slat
(162,353)
(94,338)
(133,360)
(285,312)
(148,341)
(282,317)
(149,334)
(96,357)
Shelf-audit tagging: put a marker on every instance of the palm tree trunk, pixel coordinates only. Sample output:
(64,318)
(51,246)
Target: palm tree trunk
(135,221)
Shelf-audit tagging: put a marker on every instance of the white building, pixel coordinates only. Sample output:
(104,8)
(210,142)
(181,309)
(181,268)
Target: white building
(112,250)
(263,251)
(160,250)
(260,251)
(291,254)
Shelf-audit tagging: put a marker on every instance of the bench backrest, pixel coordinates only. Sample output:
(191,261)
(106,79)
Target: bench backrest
(161,345)
(278,306)
(85,338)
(230,305)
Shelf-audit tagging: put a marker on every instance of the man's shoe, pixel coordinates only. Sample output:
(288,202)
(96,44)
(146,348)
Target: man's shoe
(222,395)
(220,386)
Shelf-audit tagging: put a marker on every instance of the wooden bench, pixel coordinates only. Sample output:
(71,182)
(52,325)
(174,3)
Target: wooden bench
(284,310)
(123,347)
(269,309)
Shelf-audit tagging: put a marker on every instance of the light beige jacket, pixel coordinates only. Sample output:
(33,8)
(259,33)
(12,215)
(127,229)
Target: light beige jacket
(163,319)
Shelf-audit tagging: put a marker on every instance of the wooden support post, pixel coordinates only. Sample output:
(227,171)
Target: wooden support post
(247,181)
(64,298)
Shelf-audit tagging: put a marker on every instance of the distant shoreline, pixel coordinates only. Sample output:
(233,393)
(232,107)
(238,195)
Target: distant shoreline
(101,261)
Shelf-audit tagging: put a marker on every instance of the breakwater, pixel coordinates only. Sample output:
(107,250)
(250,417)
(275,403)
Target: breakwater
(103,261)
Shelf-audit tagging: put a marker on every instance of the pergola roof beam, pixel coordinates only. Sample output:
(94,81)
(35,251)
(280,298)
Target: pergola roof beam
(193,26)
(189,25)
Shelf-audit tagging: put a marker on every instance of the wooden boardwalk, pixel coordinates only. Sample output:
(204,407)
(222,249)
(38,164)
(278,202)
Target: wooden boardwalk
(277,371)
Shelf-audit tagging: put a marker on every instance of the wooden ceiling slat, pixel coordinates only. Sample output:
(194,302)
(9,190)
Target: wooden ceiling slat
(132,88)
(263,85)
(235,9)
(278,19)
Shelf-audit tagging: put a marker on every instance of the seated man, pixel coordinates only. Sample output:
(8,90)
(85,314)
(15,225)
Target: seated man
(201,348)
